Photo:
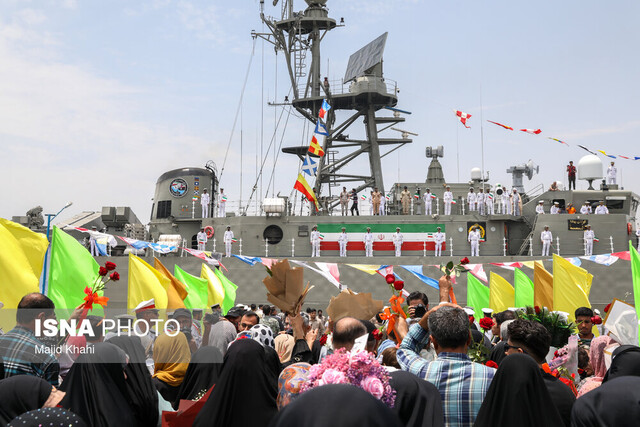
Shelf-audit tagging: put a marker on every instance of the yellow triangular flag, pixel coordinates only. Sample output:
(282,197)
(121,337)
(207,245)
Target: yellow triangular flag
(501,293)
(528,264)
(571,286)
(145,282)
(21,258)
(542,286)
(216,290)
(176,290)
(367,268)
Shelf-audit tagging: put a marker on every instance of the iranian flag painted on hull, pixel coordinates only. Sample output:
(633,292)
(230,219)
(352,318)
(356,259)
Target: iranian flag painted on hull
(414,236)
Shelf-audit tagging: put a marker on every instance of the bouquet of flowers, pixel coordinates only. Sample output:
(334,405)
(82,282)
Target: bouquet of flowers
(391,313)
(92,297)
(360,369)
(557,324)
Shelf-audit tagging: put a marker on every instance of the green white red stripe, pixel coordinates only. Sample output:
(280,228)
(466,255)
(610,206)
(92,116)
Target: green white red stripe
(414,236)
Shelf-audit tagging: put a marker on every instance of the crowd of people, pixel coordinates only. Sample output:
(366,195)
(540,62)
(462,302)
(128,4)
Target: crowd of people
(255,364)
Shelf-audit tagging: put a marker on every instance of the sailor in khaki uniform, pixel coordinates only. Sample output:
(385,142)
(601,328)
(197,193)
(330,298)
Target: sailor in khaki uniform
(405,198)
(546,238)
(398,239)
(344,201)
(375,199)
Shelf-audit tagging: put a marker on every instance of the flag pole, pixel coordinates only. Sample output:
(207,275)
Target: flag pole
(482,138)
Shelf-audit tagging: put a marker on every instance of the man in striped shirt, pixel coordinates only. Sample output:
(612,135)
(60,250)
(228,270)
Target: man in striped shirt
(462,383)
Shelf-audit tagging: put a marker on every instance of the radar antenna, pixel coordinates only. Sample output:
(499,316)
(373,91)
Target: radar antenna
(529,169)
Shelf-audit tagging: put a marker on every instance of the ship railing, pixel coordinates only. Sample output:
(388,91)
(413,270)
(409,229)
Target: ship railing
(535,191)
(340,87)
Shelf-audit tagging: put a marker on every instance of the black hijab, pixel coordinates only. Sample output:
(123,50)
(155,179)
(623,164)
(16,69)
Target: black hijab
(202,373)
(336,405)
(246,389)
(273,361)
(141,392)
(96,389)
(20,394)
(518,396)
(50,417)
(625,361)
(418,402)
(614,403)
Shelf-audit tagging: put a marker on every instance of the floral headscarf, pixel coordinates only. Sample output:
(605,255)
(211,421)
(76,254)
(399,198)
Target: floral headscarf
(291,379)
(596,358)
(263,334)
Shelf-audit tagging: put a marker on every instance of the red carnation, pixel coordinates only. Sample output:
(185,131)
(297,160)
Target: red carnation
(102,271)
(607,308)
(110,266)
(596,320)
(464,261)
(377,334)
(398,285)
(115,276)
(323,339)
(491,364)
(537,309)
(390,278)
(486,323)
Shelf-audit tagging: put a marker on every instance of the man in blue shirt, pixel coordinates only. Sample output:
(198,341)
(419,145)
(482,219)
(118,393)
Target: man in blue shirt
(462,383)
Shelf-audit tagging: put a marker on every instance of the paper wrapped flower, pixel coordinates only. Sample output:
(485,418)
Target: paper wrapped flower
(285,287)
(349,304)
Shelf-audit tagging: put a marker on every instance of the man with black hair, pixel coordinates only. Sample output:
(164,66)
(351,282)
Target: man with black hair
(20,349)
(269,320)
(528,337)
(249,320)
(346,331)
(417,300)
(315,322)
(585,325)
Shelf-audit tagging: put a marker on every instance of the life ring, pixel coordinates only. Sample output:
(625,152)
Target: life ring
(629,228)
(209,230)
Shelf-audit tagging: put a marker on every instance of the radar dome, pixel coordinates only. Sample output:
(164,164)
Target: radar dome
(476,174)
(590,167)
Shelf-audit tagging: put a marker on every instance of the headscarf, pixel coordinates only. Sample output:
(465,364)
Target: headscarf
(263,334)
(221,335)
(614,403)
(22,393)
(140,390)
(203,372)
(336,405)
(246,389)
(518,396)
(50,417)
(284,346)
(171,357)
(418,402)
(596,358)
(96,389)
(290,381)
(625,361)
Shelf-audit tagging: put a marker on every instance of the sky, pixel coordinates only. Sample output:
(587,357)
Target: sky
(98,99)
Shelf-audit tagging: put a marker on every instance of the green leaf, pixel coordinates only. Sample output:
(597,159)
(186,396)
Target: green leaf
(450,265)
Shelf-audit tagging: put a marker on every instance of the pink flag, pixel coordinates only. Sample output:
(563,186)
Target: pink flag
(478,271)
(463,118)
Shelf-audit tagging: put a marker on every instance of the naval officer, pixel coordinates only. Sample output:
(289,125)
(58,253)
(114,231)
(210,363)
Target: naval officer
(343,239)
(471,200)
(368,243)
(447,197)
(344,201)
(223,204)
(480,197)
(488,201)
(506,202)
(540,207)
(555,209)
(427,202)
(589,237)
(383,200)
(440,237)
(517,203)
(612,174)
(315,242)
(228,239)
(602,209)
(585,209)
(405,198)
(205,200)
(546,238)
(398,238)
(474,239)
(201,237)
(375,199)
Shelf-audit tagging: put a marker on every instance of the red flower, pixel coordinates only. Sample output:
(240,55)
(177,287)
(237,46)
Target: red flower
(486,323)
(323,339)
(115,276)
(93,298)
(596,320)
(390,278)
(377,334)
(110,266)
(537,309)
(398,285)
(491,364)
(102,271)
(464,261)
(471,318)
(607,308)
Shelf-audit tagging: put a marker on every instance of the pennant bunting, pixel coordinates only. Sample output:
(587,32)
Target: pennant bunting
(586,149)
(324,274)
(324,109)
(302,186)
(330,268)
(135,244)
(501,125)
(602,259)
(478,271)
(416,270)
(367,268)
(622,255)
(249,260)
(558,140)
(532,131)
(608,155)
(463,118)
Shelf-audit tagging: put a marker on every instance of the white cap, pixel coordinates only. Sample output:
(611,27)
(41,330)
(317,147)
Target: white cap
(487,311)
(541,201)
(470,311)
(556,203)
(146,305)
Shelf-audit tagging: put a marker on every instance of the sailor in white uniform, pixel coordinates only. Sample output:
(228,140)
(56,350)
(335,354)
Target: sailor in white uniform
(228,240)
(201,237)
(602,209)
(383,200)
(398,238)
(589,237)
(440,238)
(448,199)
(427,202)
(315,242)
(506,202)
(474,239)
(92,241)
(343,239)
(488,201)
(555,209)
(480,198)
(205,200)
(471,200)
(540,207)
(368,243)
(546,238)
(223,204)
(612,174)
(585,209)
(516,203)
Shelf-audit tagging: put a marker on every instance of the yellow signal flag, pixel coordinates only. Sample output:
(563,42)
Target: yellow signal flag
(571,286)
(145,282)
(542,286)
(176,290)
(216,290)
(501,293)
